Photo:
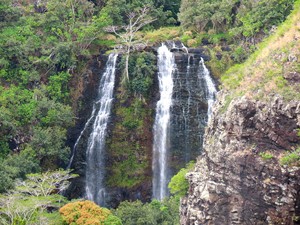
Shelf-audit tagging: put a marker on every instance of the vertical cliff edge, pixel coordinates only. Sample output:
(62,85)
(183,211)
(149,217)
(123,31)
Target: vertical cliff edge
(242,176)
(232,183)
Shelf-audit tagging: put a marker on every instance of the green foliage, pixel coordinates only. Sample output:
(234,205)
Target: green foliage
(7,175)
(216,65)
(291,158)
(261,75)
(263,14)
(164,11)
(141,70)
(26,210)
(24,162)
(153,213)
(8,13)
(40,52)
(126,145)
(179,185)
(204,14)
(4,149)
(265,155)
(239,55)
(112,220)
(246,17)
(29,202)
(162,34)
(45,148)
(218,37)
(17,165)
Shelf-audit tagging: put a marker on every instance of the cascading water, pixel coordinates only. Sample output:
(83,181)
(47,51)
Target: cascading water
(211,89)
(166,66)
(95,155)
(79,138)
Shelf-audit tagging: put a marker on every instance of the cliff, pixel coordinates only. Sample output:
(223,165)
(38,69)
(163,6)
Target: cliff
(232,183)
(241,176)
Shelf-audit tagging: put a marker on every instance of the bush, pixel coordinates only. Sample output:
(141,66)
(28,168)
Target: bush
(87,212)
(178,184)
(239,54)
(162,34)
(266,155)
(153,213)
(291,158)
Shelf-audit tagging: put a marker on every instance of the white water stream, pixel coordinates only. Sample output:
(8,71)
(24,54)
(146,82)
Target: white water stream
(166,66)
(211,89)
(95,161)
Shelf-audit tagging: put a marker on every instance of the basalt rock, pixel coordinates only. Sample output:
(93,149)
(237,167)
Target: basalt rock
(232,183)
(188,111)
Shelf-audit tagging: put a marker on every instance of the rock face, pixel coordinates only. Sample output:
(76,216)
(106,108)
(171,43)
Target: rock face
(232,183)
(188,111)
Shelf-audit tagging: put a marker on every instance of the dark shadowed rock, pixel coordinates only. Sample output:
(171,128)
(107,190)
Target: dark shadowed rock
(226,48)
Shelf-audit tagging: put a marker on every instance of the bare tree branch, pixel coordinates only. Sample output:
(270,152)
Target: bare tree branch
(136,20)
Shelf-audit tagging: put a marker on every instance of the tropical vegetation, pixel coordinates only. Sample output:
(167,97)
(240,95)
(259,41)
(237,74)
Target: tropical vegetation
(45,47)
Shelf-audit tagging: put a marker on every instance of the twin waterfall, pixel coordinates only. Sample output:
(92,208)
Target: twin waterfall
(187,93)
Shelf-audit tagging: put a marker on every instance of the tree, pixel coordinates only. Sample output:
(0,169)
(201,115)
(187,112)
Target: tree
(195,14)
(136,20)
(28,203)
(153,213)
(87,212)
(14,211)
(45,184)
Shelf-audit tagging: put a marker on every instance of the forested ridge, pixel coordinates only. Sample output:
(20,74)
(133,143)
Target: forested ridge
(45,47)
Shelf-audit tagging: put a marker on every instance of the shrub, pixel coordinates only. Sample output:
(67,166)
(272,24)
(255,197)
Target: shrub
(87,213)
(239,54)
(162,34)
(266,155)
(153,213)
(178,184)
(291,158)
(192,43)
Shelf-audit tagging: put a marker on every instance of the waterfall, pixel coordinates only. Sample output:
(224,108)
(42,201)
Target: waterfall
(211,89)
(79,138)
(95,154)
(166,65)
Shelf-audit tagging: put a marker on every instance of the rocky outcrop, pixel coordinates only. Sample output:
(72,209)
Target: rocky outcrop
(232,183)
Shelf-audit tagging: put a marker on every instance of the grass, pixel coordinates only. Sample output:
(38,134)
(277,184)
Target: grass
(291,158)
(161,35)
(265,155)
(264,70)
